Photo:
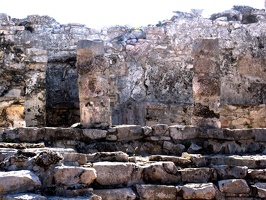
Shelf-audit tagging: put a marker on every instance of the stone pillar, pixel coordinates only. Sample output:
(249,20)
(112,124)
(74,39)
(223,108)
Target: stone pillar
(93,84)
(35,95)
(206,83)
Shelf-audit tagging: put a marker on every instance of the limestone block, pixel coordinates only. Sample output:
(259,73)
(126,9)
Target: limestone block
(156,192)
(92,86)
(75,158)
(93,134)
(129,132)
(161,172)
(198,175)
(160,129)
(205,66)
(53,134)
(204,86)
(196,159)
(35,114)
(30,134)
(198,191)
(118,156)
(230,172)
(95,112)
(179,161)
(206,47)
(114,194)
(18,181)
(69,175)
(147,130)
(23,196)
(260,135)
(171,148)
(234,186)
(259,174)
(261,189)
(178,132)
(15,114)
(113,173)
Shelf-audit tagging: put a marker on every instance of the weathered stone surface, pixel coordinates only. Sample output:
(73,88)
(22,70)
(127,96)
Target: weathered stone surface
(230,172)
(67,175)
(183,132)
(129,132)
(93,134)
(234,186)
(113,194)
(261,189)
(175,149)
(27,196)
(156,192)
(18,181)
(113,173)
(47,158)
(179,161)
(161,172)
(74,158)
(31,134)
(198,175)
(259,174)
(91,197)
(52,134)
(198,191)
(109,156)
(160,129)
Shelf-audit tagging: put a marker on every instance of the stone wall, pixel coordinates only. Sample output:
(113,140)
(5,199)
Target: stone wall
(187,70)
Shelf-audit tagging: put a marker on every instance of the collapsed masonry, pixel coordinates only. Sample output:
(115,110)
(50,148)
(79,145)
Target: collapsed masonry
(188,70)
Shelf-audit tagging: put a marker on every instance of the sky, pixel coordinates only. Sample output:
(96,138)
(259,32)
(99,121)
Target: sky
(101,13)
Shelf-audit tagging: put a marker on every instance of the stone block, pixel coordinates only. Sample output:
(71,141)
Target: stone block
(54,134)
(205,86)
(161,173)
(118,156)
(171,148)
(74,158)
(160,129)
(24,196)
(129,132)
(260,134)
(183,132)
(93,134)
(259,174)
(198,175)
(206,47)
(199,191)
(261,189)
(234,186)
(206,66)
(18,181)
(113,173)
(230,172)
(179,161)
(69,175)
(114,194)
(95,113)
(31,134)
(92,86)
(156,192)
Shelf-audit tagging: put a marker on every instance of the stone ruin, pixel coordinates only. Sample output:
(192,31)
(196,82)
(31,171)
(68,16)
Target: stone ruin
(172,111)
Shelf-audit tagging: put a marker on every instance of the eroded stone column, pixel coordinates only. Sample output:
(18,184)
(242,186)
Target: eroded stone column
(35,95)
(93,84)
(206,83)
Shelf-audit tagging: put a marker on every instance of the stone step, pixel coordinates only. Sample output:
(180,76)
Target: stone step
(137,140)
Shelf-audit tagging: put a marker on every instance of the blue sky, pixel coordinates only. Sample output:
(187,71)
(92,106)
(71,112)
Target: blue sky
(100,13)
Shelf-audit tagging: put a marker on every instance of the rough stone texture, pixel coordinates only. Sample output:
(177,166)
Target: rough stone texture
(112,173)
(24,197)
(161,172)
(234,186)
(18,181)
(230,172)
(157,192)
(198,191)
(114,194)
(198,175)
(261,189)
(66,175)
